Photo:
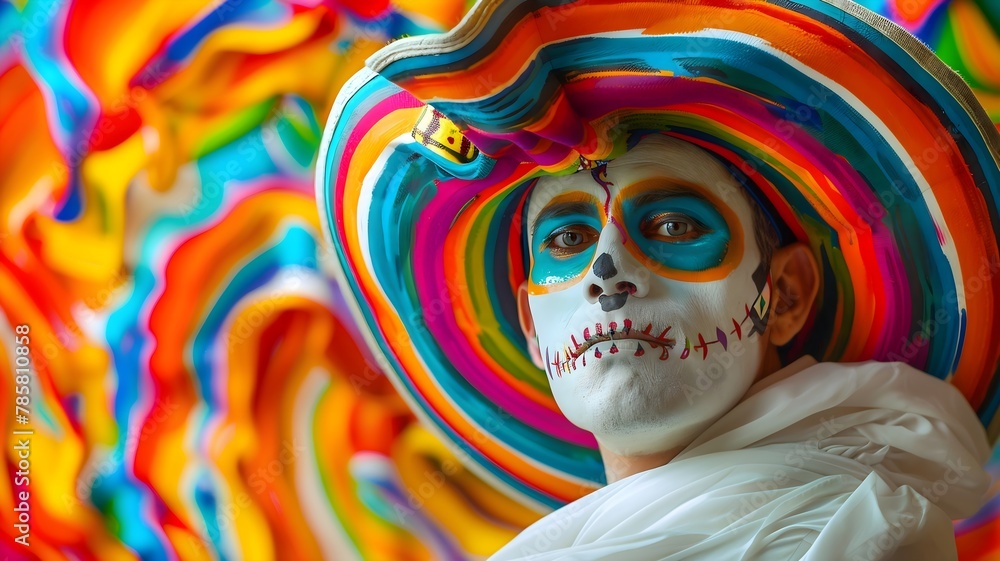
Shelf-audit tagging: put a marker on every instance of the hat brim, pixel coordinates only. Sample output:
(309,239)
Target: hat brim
(858,140)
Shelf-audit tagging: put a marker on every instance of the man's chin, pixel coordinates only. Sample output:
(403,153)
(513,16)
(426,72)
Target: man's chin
(620,397)
(628,376)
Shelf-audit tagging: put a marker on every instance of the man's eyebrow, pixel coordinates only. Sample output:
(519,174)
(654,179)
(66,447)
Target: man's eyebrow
(563,209)
(667,191)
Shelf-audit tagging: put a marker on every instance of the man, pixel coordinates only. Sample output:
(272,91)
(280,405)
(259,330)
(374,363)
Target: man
(662,212)
(807,465)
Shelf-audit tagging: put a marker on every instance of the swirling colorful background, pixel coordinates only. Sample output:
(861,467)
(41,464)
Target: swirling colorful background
(198,391)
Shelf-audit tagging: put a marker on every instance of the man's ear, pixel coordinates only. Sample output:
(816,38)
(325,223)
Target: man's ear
(794,285)
(528,325)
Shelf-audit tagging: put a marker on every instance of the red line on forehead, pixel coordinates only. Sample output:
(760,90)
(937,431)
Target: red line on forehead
(600,175)
(621,229)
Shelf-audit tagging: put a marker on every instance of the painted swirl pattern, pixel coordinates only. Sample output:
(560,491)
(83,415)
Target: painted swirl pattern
(196,391)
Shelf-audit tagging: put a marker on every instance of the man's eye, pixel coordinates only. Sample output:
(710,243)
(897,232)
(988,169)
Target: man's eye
(673,227)
(570,240)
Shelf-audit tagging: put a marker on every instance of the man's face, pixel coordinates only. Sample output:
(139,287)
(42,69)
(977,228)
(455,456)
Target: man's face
(647,294)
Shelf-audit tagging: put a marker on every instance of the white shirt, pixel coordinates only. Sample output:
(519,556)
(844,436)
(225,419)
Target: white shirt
(818,462)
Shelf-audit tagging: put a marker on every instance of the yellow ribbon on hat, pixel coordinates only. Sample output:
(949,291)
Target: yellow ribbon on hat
(443,137)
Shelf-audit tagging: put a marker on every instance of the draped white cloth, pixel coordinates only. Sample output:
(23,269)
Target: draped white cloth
(819,462)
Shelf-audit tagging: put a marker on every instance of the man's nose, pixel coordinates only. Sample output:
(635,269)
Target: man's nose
(614,276)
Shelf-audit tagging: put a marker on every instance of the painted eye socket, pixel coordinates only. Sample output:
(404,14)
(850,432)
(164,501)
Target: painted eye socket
(570,240)
(673,227)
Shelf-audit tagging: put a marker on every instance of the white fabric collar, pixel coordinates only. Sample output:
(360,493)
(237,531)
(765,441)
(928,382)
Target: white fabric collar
(819,461)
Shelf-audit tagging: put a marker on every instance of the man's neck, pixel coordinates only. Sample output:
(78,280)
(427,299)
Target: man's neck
(618,467)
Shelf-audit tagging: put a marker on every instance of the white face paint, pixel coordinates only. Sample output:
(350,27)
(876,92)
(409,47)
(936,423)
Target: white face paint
(643,293)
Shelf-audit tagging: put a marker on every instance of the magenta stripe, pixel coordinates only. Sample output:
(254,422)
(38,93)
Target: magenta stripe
(346,149)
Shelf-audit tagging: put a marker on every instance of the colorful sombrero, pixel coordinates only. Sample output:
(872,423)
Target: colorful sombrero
(858,140)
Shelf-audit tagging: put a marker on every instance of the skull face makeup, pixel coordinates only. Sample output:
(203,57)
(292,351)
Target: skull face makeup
(647,293)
